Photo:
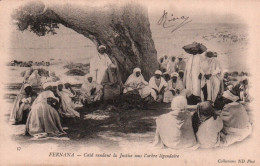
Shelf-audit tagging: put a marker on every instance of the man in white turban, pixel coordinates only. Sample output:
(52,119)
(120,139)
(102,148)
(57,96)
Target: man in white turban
(136,82)
(171,66)
(90,90)
(235,118)
(67,105)
(99,64)
(174,129)
(175,86)
(211,77)
(158,85)
(181,64)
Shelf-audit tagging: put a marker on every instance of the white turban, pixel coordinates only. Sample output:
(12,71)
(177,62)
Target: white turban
(227,94)
(230,87)
(26,85)
(89,75)
(46,84)
(102,46)
(158,72)
(55,83)
(137,69)
(174,74)
(179,103)
(59,83)
(112,66)
(180,56)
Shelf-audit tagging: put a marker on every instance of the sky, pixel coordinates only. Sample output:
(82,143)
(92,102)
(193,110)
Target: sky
(73,47)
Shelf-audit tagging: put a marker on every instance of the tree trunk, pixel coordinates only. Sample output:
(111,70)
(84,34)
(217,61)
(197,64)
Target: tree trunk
(123,29)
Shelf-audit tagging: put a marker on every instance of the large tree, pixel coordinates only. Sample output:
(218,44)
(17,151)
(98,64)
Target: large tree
(124,29)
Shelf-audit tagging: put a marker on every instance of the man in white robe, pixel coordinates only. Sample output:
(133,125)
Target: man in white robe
(171,66)
(67,105)
(175,86)
(191,75)
(90,91)
(211,77)
(158,85)
(99,64)
(136,82)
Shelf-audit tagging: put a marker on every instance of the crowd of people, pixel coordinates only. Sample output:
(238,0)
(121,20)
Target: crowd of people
(219,120)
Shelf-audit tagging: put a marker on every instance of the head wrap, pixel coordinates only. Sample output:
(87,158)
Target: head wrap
(26,85)
(46,84)
(166,73)
(59,83)
(180,56)
(102,46)
(174,74)
(209,54)
(112,66)
(179,103)
(230,87)
(228,95)
(136,70)
(88,75)
(158,72)
(205,109)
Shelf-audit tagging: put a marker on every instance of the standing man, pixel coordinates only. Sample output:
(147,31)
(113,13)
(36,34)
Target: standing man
(192,76)
(99,64)
(181,64)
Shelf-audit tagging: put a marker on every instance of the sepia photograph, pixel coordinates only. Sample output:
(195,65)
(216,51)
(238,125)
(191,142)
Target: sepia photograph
(129,82)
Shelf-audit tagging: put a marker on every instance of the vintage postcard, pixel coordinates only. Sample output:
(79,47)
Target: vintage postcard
(129,82)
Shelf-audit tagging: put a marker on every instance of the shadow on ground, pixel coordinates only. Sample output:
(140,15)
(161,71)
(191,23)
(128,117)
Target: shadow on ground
(108,133)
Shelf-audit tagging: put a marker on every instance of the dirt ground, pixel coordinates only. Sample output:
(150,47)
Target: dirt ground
(111,132)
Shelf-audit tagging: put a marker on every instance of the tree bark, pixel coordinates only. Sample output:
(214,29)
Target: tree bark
(123,29)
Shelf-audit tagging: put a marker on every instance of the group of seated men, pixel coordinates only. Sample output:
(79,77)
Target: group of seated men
(160,88)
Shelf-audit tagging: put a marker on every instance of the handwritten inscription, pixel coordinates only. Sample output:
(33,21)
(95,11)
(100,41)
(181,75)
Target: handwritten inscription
(169,21)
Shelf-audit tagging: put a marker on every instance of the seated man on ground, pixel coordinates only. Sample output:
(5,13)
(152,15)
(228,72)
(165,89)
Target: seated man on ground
(207,125)
(174,129)
(67,106)
(181,75)
(158,85)
(235,118)
(34,79)
(136,82)
(90,90)
(43,119)
(112,84)
(22,104)
(175,86)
